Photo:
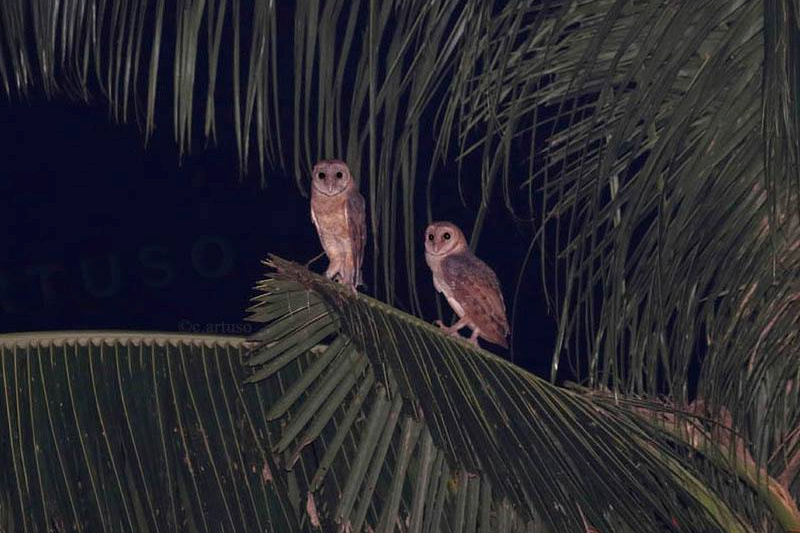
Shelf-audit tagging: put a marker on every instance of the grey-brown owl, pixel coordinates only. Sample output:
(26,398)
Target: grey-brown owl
(470,285)
(338,213)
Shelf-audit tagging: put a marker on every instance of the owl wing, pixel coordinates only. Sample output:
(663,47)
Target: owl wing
(356,216)
(476,288)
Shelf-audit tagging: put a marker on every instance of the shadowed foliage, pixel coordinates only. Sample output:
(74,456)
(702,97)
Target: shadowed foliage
(107,431)
(649,147)
(417,406)
(654,142)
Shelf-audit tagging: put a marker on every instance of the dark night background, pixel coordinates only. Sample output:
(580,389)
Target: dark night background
(101,232)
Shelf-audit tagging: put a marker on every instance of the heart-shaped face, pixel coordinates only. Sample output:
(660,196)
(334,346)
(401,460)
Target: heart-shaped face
(331,177)
(442,238)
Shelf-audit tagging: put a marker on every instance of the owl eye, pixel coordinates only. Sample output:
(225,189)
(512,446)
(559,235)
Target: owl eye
(338,175)
(321,175)
(430,236)
(446,236)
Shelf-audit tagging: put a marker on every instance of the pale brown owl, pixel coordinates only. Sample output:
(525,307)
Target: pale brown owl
(337,210)
(470,285)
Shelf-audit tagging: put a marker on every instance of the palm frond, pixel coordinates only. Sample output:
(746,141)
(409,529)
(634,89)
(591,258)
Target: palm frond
(713,439)
(76,47)
(659,140)
(127,431)
(394,422)
(664,148)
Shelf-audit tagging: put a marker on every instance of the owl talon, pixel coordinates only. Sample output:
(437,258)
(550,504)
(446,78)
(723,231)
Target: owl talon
(454,329)
(474,337)
(450,331)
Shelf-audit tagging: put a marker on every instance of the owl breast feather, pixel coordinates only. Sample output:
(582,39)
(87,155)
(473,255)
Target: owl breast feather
(331,215)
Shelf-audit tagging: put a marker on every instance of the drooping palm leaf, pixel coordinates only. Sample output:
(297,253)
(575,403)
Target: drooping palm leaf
(119,46)
(714,440)
(378,423)
(661,138)
(654,111)
(137,432)
(664,141)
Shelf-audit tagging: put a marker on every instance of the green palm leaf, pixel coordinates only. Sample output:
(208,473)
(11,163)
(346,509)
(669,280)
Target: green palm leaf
(659,139)
(701,95)
(393,422)
(692,91)
(671,177)
(723,454)
(134,432)
(117,46)
(664,146)
(656,132)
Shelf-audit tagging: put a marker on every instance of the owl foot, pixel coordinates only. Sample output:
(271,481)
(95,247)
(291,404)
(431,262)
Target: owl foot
(474,338)
(450,330)
(334,272)
(339,278)
(445,329)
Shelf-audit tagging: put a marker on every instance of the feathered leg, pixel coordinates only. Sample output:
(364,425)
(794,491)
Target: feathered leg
(335,269)
(334,272)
